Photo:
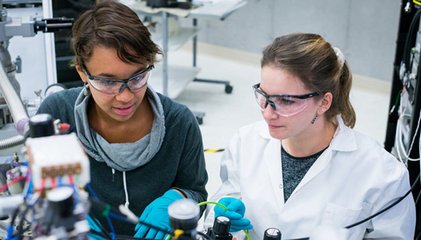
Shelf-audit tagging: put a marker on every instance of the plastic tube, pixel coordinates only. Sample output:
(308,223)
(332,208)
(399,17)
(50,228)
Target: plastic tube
(16,108)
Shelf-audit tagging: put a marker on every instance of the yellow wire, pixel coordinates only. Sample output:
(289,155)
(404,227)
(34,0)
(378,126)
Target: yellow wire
(225,208)
(178,233)
(213,150)
(417,2)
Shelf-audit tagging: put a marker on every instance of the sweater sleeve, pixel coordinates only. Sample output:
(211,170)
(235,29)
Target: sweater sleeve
(191,174)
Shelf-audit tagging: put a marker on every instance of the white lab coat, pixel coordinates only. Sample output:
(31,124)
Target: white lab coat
(353,179)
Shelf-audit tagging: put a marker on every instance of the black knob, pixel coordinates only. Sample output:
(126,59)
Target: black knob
(41,125)
(272,234)
(221,225)
(61,201)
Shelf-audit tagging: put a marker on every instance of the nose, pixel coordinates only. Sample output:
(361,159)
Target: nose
(124,96)
(269,111)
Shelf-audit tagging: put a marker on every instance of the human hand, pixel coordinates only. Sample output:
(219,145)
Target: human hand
(235,212)
(156,214)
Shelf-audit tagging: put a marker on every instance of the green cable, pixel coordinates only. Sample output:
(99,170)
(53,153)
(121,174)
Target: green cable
(106,210)
(247,234)
(215,203)
(168,237)
(223,207)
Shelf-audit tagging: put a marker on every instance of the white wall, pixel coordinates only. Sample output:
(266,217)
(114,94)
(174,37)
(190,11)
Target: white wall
(365,30)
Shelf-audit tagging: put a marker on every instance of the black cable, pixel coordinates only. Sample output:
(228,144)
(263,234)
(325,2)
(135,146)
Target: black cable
(14,216)
(19,227)
(104,231)
(418,236)
(387,208)
(409,38)
(418,198)
(101,234)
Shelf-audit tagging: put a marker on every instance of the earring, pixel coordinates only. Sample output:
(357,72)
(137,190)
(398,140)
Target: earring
(314,119)
(86,89)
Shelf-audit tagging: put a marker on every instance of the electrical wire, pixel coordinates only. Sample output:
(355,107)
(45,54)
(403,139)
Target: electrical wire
(400,148)
(110,224)
(387,208)
(416,2)
(409,39)
(12,222)
(214,203)
(103,230)
(225,208)
(398,96)
(20,227)
(101,234)
(107,216)
(14,180)
(418,236)
(418,197)
(379,212)
(413,139)
(112,212)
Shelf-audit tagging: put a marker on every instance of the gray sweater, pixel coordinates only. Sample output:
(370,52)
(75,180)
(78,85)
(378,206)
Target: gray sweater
(179,163)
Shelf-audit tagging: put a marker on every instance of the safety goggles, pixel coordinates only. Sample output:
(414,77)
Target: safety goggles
(109,85)
(284,105)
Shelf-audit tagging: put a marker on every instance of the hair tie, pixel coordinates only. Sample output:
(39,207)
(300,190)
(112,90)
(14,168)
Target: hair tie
(340,56)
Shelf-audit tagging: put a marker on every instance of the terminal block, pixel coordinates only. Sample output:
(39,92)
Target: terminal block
(57,157)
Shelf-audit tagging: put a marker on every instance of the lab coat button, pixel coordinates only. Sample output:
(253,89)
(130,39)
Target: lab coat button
(281,186)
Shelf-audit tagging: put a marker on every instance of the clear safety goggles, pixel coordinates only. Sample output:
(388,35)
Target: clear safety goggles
(109,85)
(284,105)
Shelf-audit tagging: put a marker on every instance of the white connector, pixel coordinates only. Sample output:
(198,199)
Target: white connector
(57,156)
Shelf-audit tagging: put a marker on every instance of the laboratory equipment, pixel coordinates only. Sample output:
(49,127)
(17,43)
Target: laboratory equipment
(184,214)
(272,234)
(403,125)
(12,109)
(51,203)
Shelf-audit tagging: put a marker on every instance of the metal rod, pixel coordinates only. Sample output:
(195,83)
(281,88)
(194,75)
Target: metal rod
(165,49)
(194,44)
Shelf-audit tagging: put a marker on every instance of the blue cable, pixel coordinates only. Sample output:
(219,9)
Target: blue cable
(91,191)
(10,233)
(118,217)
(60,181)
(95,196)
(110,224)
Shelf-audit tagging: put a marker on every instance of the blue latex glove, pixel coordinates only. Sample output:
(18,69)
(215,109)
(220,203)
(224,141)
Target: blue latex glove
(156,213)
(235,213)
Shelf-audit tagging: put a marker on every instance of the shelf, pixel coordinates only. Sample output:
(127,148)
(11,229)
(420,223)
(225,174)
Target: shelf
(178,78)
(219,9)
(140,7)
(176,39)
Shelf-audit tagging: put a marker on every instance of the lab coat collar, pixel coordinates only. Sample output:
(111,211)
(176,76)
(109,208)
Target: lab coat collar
(344,138)
(343,141)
